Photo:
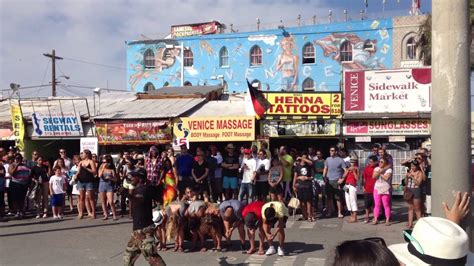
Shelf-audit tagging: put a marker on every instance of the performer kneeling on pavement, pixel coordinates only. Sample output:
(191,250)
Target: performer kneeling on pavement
(231,213)
(143,235)
(252,214)
(273,212)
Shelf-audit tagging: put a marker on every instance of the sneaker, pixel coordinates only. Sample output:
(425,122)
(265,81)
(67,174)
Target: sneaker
(55,217)
(281,252)
(60,217)
(17,215)
(270,251)
(38,216)
(45,215)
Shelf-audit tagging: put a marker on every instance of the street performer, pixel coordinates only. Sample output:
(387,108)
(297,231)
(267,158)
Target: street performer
(142,240)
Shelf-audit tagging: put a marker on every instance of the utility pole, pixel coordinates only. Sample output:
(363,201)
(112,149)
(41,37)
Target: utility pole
(450,115)
(53,78)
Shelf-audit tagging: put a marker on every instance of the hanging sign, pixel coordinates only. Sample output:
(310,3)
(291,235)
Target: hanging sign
(133,132)
(306,104)
(18,126)
(56,124)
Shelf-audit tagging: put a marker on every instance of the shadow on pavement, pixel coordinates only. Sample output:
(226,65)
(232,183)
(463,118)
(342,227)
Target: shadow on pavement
(292,249)
(61,229)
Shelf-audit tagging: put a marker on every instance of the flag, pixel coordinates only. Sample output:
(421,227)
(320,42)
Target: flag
(366,3)
(259,102)
(384,1)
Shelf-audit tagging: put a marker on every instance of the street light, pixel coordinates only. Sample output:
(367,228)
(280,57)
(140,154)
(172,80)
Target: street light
(181,48)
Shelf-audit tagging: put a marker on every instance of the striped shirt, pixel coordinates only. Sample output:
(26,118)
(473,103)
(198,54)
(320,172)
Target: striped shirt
(21,175)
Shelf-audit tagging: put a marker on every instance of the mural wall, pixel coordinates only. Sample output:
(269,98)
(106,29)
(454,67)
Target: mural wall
(282,67)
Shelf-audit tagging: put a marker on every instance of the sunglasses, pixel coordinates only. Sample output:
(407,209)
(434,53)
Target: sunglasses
(332,150)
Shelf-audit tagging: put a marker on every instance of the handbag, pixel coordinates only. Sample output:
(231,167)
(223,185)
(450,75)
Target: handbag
(382,186)
(294,204)
(408,194)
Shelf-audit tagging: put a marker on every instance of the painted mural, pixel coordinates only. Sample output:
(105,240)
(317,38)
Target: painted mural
(282,68)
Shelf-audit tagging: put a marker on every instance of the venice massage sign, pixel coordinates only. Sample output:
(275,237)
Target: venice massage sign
(395,90)
(215,128)
(305,104)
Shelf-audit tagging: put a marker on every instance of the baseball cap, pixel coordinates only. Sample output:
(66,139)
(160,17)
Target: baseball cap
(247,151)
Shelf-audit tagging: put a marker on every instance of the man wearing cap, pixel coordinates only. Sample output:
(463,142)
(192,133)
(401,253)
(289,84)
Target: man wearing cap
(252,214)
(143,235)
(273,212)
(230,172)
(248,167)
(231,213)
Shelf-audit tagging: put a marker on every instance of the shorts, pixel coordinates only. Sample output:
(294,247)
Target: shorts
(216,185)
(57,200)
(368,200)
(85,186)
(304,190)
(285,218)
(230,182)
(276,190)
(417,193)
(69,189)
(201,187)
(333,190)
(261,189)
(105,186)
(18,191)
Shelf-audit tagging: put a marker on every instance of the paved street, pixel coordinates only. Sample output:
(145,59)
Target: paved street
(86,242)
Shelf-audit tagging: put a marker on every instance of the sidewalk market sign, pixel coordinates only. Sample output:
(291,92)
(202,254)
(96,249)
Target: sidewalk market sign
(393,91)
(300,128)
(18,126)
(133,132)
(207,129)
(304,104)
(400,127)
(56,124)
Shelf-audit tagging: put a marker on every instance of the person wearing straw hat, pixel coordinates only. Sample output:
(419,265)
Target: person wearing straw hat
(230,172)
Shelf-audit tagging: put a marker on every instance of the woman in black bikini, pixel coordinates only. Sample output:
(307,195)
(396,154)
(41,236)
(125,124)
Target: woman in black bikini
(85,176)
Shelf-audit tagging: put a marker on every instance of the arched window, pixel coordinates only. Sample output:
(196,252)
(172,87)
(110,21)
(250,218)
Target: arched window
(188,58)
(308,84)
(346,51)
(149,87)
(149,59)
(223,57)
(256,84)
(309,56)
(256,56)
(411,48)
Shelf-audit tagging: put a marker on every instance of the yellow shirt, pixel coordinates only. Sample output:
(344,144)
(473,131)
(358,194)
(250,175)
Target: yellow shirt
(280,209)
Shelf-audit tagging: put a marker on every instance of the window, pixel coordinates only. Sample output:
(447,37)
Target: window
(256,56)
(308,54)
(223,57)
(149,87)
(411,48)
(188,58)
(149,59)
(308,84)
(346,51)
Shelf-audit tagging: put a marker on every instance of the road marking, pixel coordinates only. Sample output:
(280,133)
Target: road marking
(315,262)
(289,224)
(307,225)
(330,225)
(255,259)
(285,260)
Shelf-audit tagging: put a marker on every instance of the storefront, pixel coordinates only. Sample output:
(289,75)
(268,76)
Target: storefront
(387,107)
(300,120)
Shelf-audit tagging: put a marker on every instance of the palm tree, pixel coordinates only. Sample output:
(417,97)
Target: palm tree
(423,43)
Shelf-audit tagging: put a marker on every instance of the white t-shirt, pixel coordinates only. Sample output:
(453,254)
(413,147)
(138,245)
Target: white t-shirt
(248,173)
(57,183)
(262,164)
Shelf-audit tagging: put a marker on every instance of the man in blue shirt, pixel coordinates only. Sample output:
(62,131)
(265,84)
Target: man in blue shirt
(184,166)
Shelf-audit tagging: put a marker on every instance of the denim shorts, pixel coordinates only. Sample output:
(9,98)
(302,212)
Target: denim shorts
(106,186)
(85,186)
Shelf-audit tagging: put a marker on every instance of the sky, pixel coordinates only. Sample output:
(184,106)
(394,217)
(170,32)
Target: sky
(90,35)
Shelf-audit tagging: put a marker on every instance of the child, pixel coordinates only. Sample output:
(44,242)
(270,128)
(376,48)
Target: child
(57,188)
(369,184)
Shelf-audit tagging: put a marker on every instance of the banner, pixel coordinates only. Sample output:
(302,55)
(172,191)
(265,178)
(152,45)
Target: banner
(300,128)
(388,127)
(127,133)
(308,104)
(18,126)
(205,129)
(91,144)
(56,124)
(393,91)
(195,29)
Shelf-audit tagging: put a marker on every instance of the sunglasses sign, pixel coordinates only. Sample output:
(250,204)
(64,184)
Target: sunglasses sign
(387,127)
(392,91)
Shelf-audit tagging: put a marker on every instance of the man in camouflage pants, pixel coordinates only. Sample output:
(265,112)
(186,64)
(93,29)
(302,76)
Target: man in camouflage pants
(142,240)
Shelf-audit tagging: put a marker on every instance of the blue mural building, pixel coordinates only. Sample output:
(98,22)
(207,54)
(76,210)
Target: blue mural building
(307,58)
